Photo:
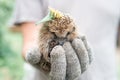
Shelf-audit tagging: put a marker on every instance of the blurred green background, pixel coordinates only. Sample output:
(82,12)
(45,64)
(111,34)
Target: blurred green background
(11,62)
(10,45)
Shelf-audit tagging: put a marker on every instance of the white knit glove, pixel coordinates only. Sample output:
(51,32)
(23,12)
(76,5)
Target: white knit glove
(67,62)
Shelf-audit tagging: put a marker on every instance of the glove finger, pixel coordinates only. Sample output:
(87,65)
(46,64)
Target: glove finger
(58,63)
(33,56)
(82,53)
(89,49)
(73,65)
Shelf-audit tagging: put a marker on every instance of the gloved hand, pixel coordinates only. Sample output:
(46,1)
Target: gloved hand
(67,62)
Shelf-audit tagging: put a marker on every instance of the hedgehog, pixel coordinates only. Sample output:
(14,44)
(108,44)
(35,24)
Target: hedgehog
(56,29)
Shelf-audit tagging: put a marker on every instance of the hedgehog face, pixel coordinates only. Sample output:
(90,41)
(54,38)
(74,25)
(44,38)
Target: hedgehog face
(61,27)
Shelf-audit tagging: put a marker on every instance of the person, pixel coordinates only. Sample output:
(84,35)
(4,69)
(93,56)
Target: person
(98,20)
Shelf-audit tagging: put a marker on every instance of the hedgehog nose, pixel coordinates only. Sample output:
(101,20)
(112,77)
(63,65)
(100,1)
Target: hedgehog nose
(61,43)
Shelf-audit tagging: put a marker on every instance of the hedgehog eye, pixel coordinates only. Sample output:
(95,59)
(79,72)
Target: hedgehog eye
(73,28)
(63,30)
(54,29)
(57,29)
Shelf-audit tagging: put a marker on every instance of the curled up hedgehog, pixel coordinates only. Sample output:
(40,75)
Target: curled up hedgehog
(57,28)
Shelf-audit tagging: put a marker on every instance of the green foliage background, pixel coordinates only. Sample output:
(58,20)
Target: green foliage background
(11,63)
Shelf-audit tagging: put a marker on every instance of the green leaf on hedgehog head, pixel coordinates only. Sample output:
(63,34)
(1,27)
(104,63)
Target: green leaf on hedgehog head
(45,19)
(52,14)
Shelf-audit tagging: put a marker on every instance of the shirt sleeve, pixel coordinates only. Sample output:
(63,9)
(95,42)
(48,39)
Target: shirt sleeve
(29,11)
